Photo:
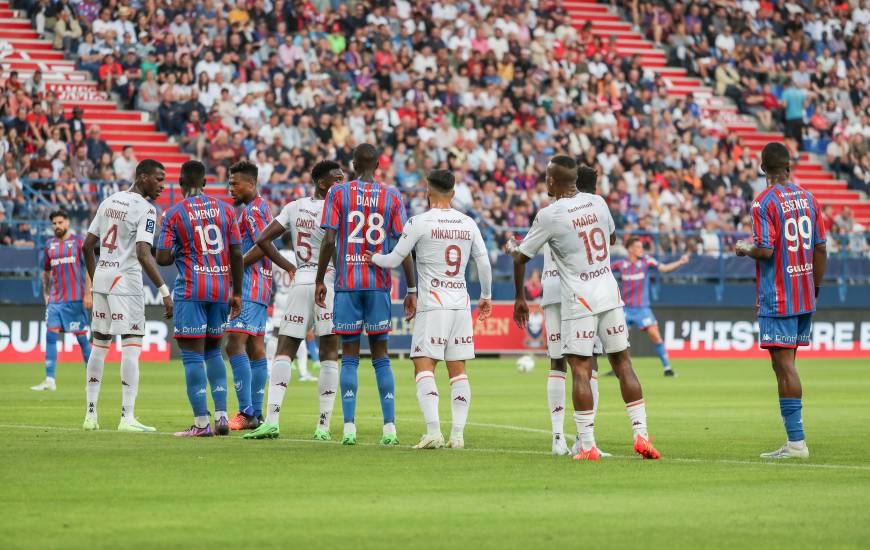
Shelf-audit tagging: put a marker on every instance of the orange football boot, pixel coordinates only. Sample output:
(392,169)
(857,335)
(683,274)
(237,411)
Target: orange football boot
(243,422)
(591,454)
(644,447)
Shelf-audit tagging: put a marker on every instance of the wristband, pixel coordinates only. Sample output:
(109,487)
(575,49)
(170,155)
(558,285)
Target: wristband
(163,290)
(817,292)
(411,290)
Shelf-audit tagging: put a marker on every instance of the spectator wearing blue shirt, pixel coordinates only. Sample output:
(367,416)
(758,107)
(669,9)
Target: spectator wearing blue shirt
(793,99)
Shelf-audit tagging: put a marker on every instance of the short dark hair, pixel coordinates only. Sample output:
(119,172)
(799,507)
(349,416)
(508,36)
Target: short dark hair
(365,155)
(442,180)
(323,168)
(192,174)
(566,169)
(775,158)
(58,214)
(630,241)
(587,179)
(148,167)
(245,167)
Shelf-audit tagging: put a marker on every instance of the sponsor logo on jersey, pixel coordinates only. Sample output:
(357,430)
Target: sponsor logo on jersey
(61,261)
(585,334)
(463,340)
(99,315)
(106,264)
(211,269)
(555,337)
(326,316)
(611,331)
(799,269)
(117,317)
(298,319)
(354,258)
(448,284)
(589,275)
(437,341)
(149,226)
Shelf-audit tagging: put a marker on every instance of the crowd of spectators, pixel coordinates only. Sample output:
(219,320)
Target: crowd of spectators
(490,89)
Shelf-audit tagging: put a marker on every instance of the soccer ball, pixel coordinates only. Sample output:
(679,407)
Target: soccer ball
(526,363)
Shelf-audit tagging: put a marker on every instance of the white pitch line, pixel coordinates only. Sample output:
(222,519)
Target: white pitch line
(779,463)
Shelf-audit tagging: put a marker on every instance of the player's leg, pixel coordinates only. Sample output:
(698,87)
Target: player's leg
(327,379)
(240,364)
(377,310)
(556,377)
(216,374)
(652,330)
(49,382)
(79,327)
(302,364)
(129,321)
(313,352)
(191,323)
(459,349)
(278,383)
(577,345)
(272,344)
(428,397)
(256,350)
(348,320)
(101,327)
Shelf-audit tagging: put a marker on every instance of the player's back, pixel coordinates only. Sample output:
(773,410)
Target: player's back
(445,241)
(366,216)
(121,221)
(63,257)
(787,219)
(302,217)
(257,280)
(635,279)
(200,230)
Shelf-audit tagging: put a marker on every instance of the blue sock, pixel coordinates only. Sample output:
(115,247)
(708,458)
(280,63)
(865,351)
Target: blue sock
(216,370)
(241,366)
(194,376)
(259,377)
(790,408)
(663,355)
(313,352)
(50,353)
(386,387)
(85,345)
(349,384)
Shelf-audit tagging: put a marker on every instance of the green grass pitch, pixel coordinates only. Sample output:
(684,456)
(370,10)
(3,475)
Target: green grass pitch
(64,488)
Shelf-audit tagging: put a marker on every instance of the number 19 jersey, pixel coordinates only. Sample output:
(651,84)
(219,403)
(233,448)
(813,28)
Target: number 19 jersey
(365,216)
(302,218)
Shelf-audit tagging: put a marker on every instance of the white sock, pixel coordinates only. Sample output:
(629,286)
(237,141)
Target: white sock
(327,387)
(349,428)
(593,383)
(460,401)
(302,359)
(271,348)
(220,414)
(278,387)
(200,421)
(556,400)
(585,421)
(637,413)
(130,351)
(389,428)
(427,396)
(96,362)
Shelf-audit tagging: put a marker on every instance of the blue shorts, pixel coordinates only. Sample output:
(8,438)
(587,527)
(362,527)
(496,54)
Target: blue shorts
(252,319)
(785,332)
(640,317)
(355,310)
(66,317)
(200,319)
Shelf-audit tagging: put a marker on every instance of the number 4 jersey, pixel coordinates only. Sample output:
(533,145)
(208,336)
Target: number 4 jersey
(787,219)
(578,231)
(365,216)
(302,218)
(199,230)
(122,220)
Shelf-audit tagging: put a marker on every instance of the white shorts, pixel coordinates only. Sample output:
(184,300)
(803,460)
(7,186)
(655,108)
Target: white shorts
(279,308)
(443,335)
(579,335)
(302,314)
(553,318)
(118,315)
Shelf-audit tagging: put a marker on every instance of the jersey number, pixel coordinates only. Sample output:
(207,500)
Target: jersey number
(210,239)
(596,241)
(799,232)
(454,261)
(110,239)
(303,248)
(375,233)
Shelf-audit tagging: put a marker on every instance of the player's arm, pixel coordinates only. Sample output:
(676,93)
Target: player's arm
(397,256)
(398,219)
(144,244)
(820,249)
(667,268)
(166,242)
(327,251)
(91,242)
(237,272)
(87,299)
(522,254)
(484,275)
(265,247)
(760,247)
(46,285)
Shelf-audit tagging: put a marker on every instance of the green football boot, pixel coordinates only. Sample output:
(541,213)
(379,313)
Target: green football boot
(322,435)
(390,439)
(349,439)
(264,431)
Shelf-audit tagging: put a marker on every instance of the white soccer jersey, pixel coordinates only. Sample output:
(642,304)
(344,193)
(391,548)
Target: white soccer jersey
(281,279)
(122,220)
(445,240)
(550,280)
(302,218)
(578,230)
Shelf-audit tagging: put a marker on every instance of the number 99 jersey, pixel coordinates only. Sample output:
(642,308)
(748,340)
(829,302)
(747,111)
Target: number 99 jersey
(786,219)
(302,218)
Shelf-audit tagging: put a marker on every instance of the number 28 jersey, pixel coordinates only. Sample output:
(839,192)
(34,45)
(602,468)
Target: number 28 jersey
(122,220)
(578,231)
(365,216)
(200,230)
(786,218)
(302,218)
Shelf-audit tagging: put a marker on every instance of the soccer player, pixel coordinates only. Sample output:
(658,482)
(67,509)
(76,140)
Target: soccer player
(124,229)
(444,241)
(66,288)
(788,246)
(200,235)
(634,272)
(246,345)
(363,214)
(576,226)
(301,219)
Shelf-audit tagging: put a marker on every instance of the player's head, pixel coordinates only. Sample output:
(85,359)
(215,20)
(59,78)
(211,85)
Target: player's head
(775,161)
(149,178)
(561,175)
(192,177)
(365,158)
(634,247)
(440,183)
(243,182)
(587,179)
(59,222)
(325,174)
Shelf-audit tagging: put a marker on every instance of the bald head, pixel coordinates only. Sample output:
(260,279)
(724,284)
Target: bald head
(562,171)
(365,158)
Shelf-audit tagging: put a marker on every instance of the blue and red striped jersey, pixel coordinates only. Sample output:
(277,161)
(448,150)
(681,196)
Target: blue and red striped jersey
(66,263)
(253,219)
(199,230)
(365,216)
(635,279)
(787,219)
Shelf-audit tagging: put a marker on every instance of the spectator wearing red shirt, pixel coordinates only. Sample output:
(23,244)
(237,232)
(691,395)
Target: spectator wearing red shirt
(109,73)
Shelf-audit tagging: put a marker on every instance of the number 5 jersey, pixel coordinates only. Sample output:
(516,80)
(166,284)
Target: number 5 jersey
(302,218)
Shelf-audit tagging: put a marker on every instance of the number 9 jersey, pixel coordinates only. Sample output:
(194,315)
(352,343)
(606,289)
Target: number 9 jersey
(365,216)
(786,219)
